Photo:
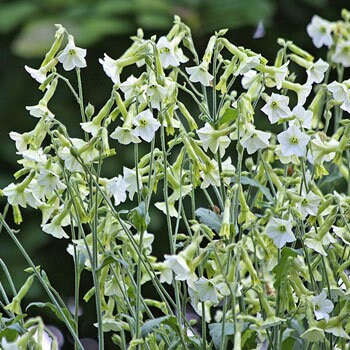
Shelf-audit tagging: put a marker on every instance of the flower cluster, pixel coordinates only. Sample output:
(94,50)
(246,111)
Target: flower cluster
(271,244)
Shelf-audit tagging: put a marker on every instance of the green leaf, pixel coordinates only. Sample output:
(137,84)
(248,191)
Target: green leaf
(209,218)
(264,190)
(150,325)
(229,116)
(281,270)
(53,308)
(139,218)
(215,331)
(109,259)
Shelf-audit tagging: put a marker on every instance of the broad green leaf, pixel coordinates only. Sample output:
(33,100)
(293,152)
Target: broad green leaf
(209,218)
(264,190)
(150,325)
(215,331)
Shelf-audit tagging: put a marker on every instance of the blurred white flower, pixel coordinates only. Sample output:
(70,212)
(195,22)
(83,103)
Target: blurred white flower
(72,56)
(206,290)
(280,231)
(320,31)
(111,68)
(200,74)
(40,111)
(309,205)
(316,71)
(211,139)
(341,93)
(116,187)
(179,266)
(255,139)
(303,117)
(342,53)
(322,306)
(124,135)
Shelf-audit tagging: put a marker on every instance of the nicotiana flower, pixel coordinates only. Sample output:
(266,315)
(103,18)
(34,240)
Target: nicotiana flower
(277,108)
(303,117)
(55,229)
(200,74)
(279,74)
(342,53)
(156,94)
(320,31)
(293,142)
(316,71)
(111,68)
(167,53)
(40,111)
(210,138)
(255,139)
(130,179)
(206,290)
(322,150)
(179,265)
(38,74)
(249,78)
(132,87)
(309,205)
(280,231)
(146,125)
(322,306)
(50,181)
(124,135)
(341,93)
(72,56)
(116,187)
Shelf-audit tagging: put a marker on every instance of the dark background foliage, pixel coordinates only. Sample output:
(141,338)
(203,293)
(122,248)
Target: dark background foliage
(26,31)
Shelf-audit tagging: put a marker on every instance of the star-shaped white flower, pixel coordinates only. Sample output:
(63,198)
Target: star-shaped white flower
(322,306)
(179,265)
(293,142)
(341,93)
(111,68)
(146,125)
(302,117)
(206,290)
(72,56)
(40,111)
(320,32)
(309,205)
(116,187)
(280,231)
(277,108)
(200,74)
(316,71)
(130,178)
(255,139)
(342,53)
(167,53)
(210,139)
(55,229)
(124,135)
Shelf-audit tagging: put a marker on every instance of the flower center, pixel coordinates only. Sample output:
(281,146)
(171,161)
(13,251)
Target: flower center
(304,202)
(143,122)
(282,228)
(71,52)
(274,104)
(294,140)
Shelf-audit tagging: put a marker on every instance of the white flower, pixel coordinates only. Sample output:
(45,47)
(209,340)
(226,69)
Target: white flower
(146,125)
(210,175)
(124,135)
(130,178)
(322,306)
(116,187)
(315,73)
(50,181)
(111,68)
(302,117)
(309,205)
(320,32)
(38,74)
(167,53)
(277,108)
(255,139)
(40,111)
(342,53)
(322,151)
(206,290)
(280,231)
(293,142)
(179,265)
(15,195)
(247,63)
(249,78)
(157,94)
(211,139)
(303,92)
(55,229)
(34,155)
(286,159)
(132,88)
(341,93)
(200,74)
(72,56)
(279,74)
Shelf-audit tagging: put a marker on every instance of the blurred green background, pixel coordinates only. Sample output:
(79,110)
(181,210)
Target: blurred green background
(26,32)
